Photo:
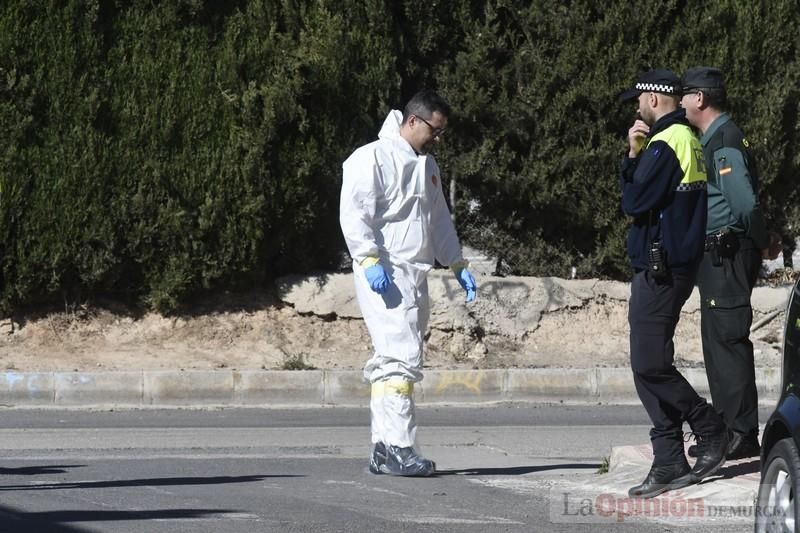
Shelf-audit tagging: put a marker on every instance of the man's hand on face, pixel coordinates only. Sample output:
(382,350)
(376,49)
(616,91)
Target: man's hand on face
(636,136)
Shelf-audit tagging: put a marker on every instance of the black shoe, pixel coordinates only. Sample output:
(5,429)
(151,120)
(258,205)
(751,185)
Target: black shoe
(661,479)
(711,450)
(740,446)
(378,458)
(743,445)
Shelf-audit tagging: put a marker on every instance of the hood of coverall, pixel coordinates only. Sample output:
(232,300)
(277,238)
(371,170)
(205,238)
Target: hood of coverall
(391,126)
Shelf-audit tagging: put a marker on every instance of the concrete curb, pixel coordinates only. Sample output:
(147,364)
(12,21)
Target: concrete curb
(320,388)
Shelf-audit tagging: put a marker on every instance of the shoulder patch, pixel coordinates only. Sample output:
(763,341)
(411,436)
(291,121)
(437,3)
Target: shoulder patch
(745,143)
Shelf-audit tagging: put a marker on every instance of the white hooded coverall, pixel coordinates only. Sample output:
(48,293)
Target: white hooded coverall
(393,208)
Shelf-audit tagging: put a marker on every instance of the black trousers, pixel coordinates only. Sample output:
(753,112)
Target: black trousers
(725,317)
(667,397)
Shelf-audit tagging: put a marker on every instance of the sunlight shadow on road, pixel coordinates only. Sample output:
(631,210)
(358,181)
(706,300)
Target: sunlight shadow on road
(37,470)
(149,482)
(52,521)
(514,470)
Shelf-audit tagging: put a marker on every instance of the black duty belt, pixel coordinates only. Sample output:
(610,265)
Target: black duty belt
(723,244)
(715,239)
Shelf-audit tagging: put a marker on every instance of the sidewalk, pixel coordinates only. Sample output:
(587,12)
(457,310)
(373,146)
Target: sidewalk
(319,388)
(727,497)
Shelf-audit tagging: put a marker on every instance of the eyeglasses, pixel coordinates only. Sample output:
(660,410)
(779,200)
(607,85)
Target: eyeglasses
(436,132)
(688,91)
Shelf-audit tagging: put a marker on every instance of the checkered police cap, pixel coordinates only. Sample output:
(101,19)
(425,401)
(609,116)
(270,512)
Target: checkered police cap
(654,81)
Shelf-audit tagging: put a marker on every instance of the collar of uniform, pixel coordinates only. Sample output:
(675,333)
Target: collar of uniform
(712,129)
(678,116)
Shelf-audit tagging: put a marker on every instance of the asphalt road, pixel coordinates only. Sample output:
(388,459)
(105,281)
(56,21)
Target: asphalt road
(253,470)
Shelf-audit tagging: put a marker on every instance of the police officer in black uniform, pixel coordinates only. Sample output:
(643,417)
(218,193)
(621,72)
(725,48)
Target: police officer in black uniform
(663,182)
(736,239)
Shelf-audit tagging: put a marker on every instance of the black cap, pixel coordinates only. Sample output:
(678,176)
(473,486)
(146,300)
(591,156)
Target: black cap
(654,81)
(702,78)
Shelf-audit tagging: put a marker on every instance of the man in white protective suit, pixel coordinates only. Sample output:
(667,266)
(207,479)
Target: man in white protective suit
(396,224)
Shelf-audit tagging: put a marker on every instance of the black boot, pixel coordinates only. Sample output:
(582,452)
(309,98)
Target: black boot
(743,445)
(711,450)
(740,446)
(663,478)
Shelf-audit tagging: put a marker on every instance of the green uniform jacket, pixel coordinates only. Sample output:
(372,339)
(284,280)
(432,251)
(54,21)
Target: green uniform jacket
(732,182)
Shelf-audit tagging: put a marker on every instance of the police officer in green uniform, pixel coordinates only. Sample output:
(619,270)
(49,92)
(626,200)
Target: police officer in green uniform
(663,183)
(736,239)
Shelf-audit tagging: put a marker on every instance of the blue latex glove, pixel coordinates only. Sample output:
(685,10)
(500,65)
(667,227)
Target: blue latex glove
(467,283)
(378,279)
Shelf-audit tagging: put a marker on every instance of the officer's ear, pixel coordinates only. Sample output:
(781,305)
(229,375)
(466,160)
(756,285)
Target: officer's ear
(702,100)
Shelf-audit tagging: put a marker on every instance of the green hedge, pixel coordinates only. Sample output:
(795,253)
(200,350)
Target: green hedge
(156,151)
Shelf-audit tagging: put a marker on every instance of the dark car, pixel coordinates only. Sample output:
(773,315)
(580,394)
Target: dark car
(777,505)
